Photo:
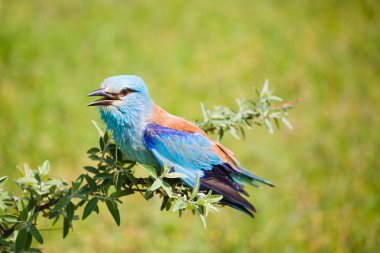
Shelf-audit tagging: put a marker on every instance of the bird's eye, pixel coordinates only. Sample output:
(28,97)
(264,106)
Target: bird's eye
(125,91)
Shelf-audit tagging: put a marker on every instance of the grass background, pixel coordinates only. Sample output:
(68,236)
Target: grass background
(326,169)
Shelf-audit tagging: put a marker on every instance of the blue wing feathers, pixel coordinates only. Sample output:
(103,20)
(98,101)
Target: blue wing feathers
(192,153)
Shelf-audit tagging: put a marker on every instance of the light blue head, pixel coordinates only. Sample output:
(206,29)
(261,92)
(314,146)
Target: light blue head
(125,99)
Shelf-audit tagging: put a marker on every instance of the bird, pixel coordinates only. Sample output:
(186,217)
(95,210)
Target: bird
(149,135)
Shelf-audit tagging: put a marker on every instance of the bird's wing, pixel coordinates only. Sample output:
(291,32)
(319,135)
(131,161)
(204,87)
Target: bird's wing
(191,154)
(165,119)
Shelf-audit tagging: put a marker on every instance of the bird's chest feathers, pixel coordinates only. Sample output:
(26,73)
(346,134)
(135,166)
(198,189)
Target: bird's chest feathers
(128,130)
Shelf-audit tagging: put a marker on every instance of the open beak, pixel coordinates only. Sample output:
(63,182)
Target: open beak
(107,98)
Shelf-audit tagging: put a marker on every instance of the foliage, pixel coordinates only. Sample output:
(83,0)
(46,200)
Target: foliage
(249,112)
(113,178)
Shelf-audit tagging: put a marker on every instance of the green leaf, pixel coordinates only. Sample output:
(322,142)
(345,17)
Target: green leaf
(66,227)
(28,242)
(276,122)
(268,124)
(148,195)
(157,184)
(23,210)
(94,157)
(77,183)
(45,168)
(62,203)
(3,180)
(38,178)
(287,123)
(91,169)
(275,98)
(21,240)
(118,181)
(122,193)
(70,209)
(175,175)
(27,180)
(168,189)
(179,204)
(150,170)
(204,112)
(164,203)
(3,206)
(196,187)
(36,234)
(234,133)
(168,204)
(105,138)
(90,207)
(98,127)
(265,89)
(8,218)
(201,215)
(91,182)
(93,151)
(114,210)
(131,177)
(213,198)
(103,176)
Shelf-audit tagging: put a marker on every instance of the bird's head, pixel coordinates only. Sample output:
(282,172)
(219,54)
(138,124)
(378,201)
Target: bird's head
(124,94)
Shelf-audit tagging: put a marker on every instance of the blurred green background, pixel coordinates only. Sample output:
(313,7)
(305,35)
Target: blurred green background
(326,169)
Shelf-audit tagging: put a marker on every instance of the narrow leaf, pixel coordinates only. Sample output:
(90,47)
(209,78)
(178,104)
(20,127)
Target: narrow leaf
(36,234)
(157,184)
(176,175)
(90,207)
(28,242)
(118,182)
(45,168)
(62,203)
(94,157)
(164,202)
(21,240)
(287,123)
(91,183)
(204,112)
(91,169)
(179,204)
(269,126)
(66,227)
(214,198)
(203,218)
(8,218)
(23,210)
(98,127)
(3,180)
(70,209)
(122,193)
(150,170)
(114,210)
(93,150)
(196,187)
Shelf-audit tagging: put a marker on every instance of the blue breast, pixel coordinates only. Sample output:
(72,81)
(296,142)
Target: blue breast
(127,130)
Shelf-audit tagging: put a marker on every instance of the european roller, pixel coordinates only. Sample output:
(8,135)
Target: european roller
(149,135)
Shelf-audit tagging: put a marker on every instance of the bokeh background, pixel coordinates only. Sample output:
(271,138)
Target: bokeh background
(52,53)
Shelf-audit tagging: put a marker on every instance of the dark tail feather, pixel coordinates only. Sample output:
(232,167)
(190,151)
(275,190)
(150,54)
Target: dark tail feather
(231,197)
(253,177)
(245,175)
(238,207)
